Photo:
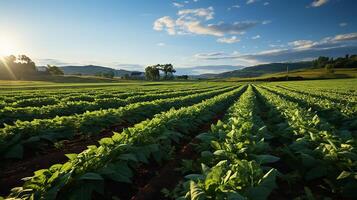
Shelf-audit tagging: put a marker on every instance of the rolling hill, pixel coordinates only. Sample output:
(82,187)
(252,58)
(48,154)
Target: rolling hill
(228,71)
(262,69)
(206,70)
(91,70)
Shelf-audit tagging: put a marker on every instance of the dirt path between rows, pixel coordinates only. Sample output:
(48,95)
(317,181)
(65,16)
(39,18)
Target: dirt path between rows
(150,179)
(12,173)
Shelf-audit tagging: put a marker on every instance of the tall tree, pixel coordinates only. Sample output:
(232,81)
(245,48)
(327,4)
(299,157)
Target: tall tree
(20,67)
(321,61)
(167,69)
(152,72)
(54,70)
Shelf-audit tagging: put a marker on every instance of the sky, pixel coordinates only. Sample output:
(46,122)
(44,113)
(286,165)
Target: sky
(216,35)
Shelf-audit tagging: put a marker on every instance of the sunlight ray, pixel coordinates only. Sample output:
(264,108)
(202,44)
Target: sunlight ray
(3,61)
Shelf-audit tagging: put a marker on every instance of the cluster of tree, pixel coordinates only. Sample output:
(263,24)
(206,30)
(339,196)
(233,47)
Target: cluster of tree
(153,72)
(17,68)
(23,68)
(331,63)
(53,70)
(109,74)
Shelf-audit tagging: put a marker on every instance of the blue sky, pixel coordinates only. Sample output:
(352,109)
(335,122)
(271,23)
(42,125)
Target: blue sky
(131,34)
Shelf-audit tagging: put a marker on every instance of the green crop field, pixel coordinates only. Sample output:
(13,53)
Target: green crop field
(179,140)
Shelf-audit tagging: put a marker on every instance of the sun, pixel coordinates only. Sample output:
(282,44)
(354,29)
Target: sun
(8,45)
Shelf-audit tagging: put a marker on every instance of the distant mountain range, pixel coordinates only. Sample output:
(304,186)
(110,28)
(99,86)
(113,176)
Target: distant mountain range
(91,70)
(207,70)
(262,69)
(202,71)
(224,71)
(257,70)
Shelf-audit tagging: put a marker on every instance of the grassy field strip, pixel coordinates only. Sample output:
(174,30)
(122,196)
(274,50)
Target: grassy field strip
(233,158)
(9,115)
(341,85)
(28,94)
(346,99)
(347,109)
(115,157)
(344,87)
(14,138)
(319,151)
(341,116)
(30,85)
(349,91)
(93,91)
(21,100)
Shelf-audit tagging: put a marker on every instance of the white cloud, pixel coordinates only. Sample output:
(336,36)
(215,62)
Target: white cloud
(318,3)
(197,28)
(251,1)
(229,40)
(266,22)
(277,45)
(206,13)
(165,23)
(195,0)
(234,6)
(216,56)
(302,44)
(266,3)
(256,37)
(343,24)
(210,54)
(178,5)
(131,67)
(57,62)
(193,21)
(161,44)
(298,50)
(235,28)
(204,69)
(345,37)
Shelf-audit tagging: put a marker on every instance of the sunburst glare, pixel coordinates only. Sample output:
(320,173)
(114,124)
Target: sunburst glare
(8,45)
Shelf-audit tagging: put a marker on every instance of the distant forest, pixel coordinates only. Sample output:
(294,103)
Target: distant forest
(340,62)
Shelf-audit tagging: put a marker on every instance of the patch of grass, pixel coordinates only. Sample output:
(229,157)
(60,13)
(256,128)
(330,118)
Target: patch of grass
(306,74)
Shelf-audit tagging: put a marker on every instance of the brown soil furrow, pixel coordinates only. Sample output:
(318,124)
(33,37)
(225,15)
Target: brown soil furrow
(13,171)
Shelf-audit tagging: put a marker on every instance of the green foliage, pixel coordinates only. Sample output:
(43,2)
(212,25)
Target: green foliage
(233,142)
(17,68)
(275,138)
(340,62)
(53,70)
(115,156)
(324,151)
(153,72)
(12,137)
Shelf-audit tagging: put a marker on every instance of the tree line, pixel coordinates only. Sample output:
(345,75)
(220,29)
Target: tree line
(21,67)
(349,61)
(153,72)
